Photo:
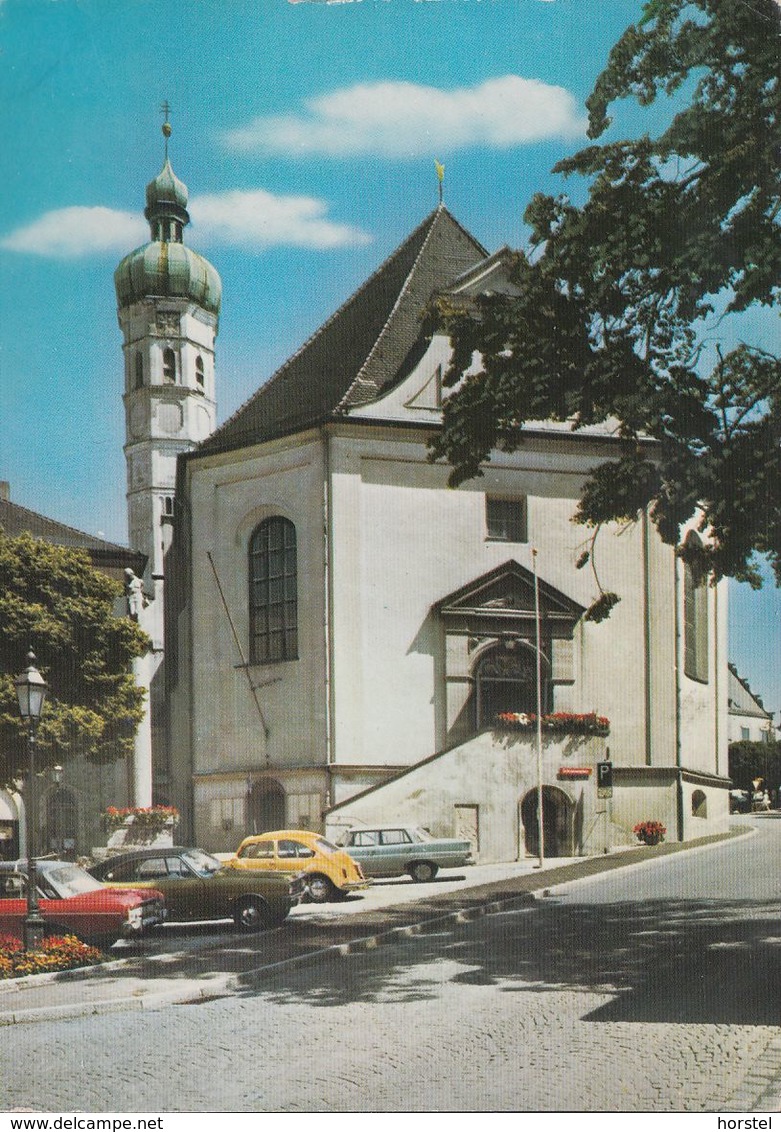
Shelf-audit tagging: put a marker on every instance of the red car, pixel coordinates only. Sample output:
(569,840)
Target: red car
(74,903)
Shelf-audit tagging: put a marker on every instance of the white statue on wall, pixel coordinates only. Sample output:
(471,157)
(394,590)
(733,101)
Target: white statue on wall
(134,594)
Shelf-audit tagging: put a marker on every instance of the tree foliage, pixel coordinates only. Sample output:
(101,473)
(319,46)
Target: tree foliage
(621,300)
(54,602)
(749,761)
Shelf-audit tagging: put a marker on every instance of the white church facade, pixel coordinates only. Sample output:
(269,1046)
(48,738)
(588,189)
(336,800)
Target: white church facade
(344,632)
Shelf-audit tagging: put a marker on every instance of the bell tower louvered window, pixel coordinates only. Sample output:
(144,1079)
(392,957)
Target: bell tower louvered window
(169,365)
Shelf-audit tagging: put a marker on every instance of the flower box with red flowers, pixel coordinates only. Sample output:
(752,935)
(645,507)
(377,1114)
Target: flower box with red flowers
(556,723)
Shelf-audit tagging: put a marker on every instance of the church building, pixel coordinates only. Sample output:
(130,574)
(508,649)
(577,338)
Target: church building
(348,640)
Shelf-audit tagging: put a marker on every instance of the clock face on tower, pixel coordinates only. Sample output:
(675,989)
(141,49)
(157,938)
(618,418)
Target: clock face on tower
(169,418)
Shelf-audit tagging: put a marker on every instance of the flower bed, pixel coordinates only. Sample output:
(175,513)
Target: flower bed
(151,818)
(58,953)
(557,723)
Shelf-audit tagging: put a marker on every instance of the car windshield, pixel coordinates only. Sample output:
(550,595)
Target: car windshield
(68,880)
(201,863)
(325,846)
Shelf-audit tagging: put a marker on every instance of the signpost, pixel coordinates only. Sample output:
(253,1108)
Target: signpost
(605,790)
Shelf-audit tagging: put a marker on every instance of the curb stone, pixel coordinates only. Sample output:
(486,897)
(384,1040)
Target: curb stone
(192,991)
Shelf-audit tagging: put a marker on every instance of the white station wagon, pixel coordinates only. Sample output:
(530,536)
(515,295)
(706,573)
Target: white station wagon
(392,851)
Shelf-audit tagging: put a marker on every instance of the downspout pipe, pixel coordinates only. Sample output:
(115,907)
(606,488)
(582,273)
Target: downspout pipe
(678,671)
(327,609)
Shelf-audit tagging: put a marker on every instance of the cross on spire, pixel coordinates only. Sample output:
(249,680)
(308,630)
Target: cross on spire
(165,109)
(440,168)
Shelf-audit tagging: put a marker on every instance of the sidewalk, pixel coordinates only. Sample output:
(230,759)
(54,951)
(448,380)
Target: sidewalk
(386,911)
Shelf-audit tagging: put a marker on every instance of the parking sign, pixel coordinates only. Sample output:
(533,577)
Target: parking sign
(604,780)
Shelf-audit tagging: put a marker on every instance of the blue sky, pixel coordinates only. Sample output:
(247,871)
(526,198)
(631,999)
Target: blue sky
(306,133)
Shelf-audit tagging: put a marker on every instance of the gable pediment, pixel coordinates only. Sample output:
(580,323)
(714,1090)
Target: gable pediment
(508,592)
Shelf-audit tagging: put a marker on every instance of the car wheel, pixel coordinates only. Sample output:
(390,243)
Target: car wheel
(320,890)
(423,871)
(252,914)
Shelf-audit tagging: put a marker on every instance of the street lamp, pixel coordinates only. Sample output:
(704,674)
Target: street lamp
(31,691)
(59,838)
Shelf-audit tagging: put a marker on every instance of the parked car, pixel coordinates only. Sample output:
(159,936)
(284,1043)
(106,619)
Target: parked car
(328,871)
(196,886)
(73,903)
(392,851)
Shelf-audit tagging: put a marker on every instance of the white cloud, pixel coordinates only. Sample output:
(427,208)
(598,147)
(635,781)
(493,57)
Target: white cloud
(253,218)
(75,232)
(262,220)
(403,119)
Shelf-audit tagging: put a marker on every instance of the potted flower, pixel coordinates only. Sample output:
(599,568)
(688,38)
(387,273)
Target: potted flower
(650,832)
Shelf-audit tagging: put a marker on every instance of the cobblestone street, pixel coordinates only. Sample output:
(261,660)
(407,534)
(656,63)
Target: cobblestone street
(633,991)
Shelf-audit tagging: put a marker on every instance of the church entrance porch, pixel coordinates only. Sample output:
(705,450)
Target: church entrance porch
(558,824)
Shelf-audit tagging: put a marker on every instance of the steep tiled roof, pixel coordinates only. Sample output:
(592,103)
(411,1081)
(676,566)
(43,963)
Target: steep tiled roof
(106,556)
(742,701)
(357,354)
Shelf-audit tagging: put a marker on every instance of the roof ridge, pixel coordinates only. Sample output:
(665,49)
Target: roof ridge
(433,216)
(100,542)
(324,326)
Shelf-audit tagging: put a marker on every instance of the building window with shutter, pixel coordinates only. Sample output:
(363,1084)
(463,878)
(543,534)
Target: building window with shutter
(505,519)
(273,599)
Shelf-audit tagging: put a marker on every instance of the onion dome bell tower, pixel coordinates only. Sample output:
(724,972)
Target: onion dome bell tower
(168,304)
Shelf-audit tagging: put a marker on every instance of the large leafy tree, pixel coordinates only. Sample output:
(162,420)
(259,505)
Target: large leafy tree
(749,761)
(53,601)
(622,299)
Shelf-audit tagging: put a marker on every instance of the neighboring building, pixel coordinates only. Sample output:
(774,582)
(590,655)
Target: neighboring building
(344,628)
(748,717)
(69,809)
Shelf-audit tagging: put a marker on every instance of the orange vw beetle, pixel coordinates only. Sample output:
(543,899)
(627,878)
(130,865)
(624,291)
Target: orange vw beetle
(329,872)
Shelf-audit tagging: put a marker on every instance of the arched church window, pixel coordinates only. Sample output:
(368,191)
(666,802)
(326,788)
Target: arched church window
(139,371)
(169,365)
(695,614)
(273,596)
(199,374)
(506,680)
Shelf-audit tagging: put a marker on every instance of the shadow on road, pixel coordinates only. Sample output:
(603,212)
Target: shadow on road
(666,961)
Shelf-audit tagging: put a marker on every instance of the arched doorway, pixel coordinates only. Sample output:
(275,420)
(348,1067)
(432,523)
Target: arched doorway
(265,806)
(61,822)
(558,811)
(9,828)
(506,680)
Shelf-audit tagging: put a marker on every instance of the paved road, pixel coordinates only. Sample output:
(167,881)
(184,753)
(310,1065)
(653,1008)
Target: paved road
(653,989)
